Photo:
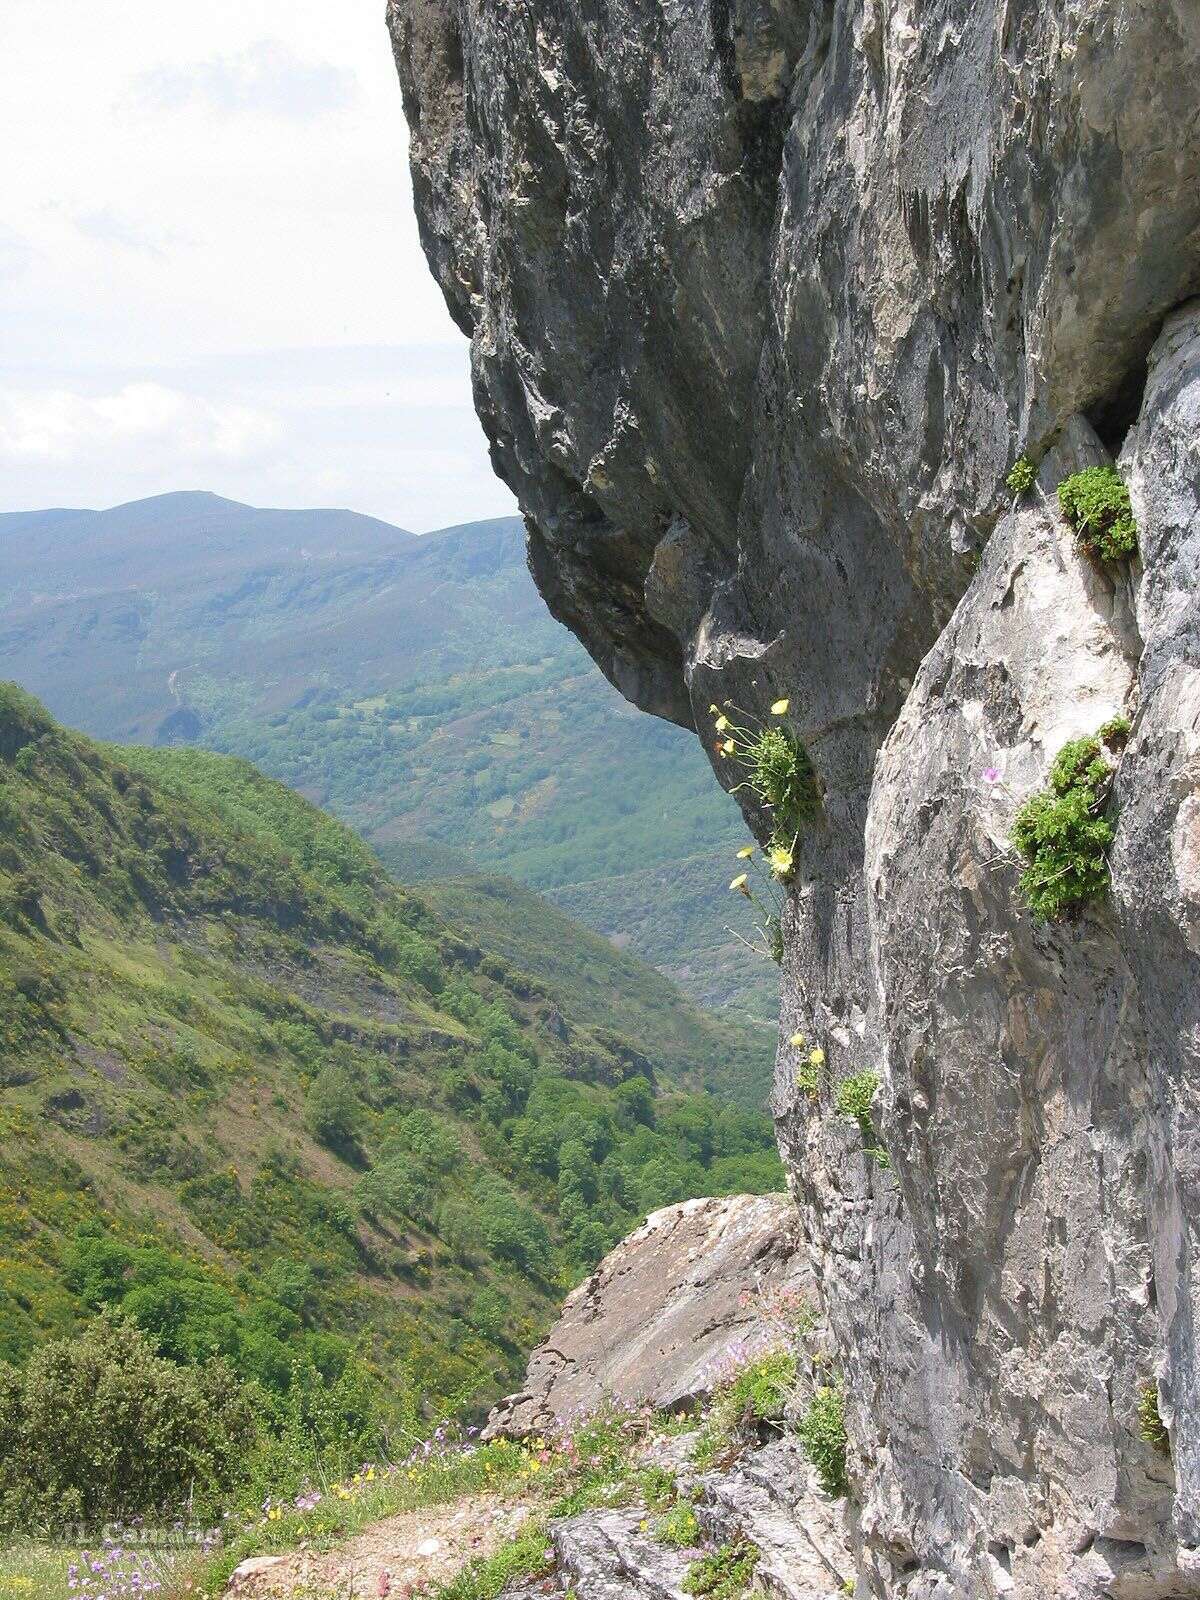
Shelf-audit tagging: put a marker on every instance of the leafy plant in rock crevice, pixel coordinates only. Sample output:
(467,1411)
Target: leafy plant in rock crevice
(822,1432)
(810,1068)
(778,773)
(724,1574)
(1021,478)
(1064,834)
(1151,1426)
(752,1400)
(680,1528)
(1097,505)
(852,1099)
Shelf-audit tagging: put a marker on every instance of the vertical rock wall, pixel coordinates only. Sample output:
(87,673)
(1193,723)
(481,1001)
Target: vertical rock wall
(765,296)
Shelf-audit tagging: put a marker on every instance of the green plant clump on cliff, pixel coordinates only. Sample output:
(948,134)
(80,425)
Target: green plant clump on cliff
(1064,834)
(725,1574)
(778,775)
(852,1099)
(822,1432)
(1151,1426)
(1097,505)
(1022,477)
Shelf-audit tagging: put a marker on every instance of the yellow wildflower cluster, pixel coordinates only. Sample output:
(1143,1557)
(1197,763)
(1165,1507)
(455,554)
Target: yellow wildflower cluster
(808,1073)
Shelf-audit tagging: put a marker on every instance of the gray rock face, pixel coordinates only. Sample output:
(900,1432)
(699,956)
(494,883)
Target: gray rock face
(665,1314)
(764,299)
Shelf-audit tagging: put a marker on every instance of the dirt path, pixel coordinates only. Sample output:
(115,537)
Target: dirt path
(394,1558)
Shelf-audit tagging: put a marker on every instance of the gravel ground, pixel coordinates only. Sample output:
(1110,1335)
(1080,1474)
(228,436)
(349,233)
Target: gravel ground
(394,1558)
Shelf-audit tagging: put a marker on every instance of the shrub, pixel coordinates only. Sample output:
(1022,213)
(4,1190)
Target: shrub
(822,1433)
(332,1113)
(100,1428)
(1151,1426)
(1097,505)
(725,1574)
(1022,477)
(1064,835)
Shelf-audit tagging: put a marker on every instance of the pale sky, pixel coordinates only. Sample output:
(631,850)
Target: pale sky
(209,269)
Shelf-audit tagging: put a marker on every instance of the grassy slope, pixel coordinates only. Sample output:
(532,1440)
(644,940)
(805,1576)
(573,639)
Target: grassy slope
(605,987)
(187,950)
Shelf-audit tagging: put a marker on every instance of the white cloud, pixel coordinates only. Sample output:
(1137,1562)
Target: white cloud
(113,227)
(58,425)
(265,78)
(248,247)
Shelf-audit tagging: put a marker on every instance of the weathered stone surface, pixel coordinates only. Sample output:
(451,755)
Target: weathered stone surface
(768,1499)
(665,1314)
(771,1498)
(254,1567)
(764,300)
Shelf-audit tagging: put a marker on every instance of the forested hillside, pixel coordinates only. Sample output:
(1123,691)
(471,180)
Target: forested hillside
(418,687)
(324,1132)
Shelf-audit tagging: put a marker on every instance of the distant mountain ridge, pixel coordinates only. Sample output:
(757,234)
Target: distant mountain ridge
(416,685)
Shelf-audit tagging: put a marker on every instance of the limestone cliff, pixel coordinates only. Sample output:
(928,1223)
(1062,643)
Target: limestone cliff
(765,297)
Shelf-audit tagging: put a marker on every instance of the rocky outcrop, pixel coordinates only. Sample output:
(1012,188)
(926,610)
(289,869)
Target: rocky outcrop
(764,299)
(767,1499)
(666,1314)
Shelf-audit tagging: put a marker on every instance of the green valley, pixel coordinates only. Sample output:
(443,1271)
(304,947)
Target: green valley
(276,1108)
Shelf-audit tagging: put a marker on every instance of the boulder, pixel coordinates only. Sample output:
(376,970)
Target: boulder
(670,1310)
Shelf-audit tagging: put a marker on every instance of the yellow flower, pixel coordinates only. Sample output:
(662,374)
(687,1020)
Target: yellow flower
(781,861)
(779,709)
(746,852)
(716,710)
(722,724)
(816,1058)
(738,886)
(728,747)
(797,1041)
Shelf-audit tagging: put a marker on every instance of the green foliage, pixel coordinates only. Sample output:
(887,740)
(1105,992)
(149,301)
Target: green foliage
(854,1095)
(822,1432)
(1022,477)
(526,1556)
(1064,835)
(852,1098)
(755,1396)
(725,1573)
(608,991)
(332,1111)
(1151,1426)
(271,1108)
(680,1527)
(761,1389)
(99,1428)
(1097,505)
(778,774)
(1115,732)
